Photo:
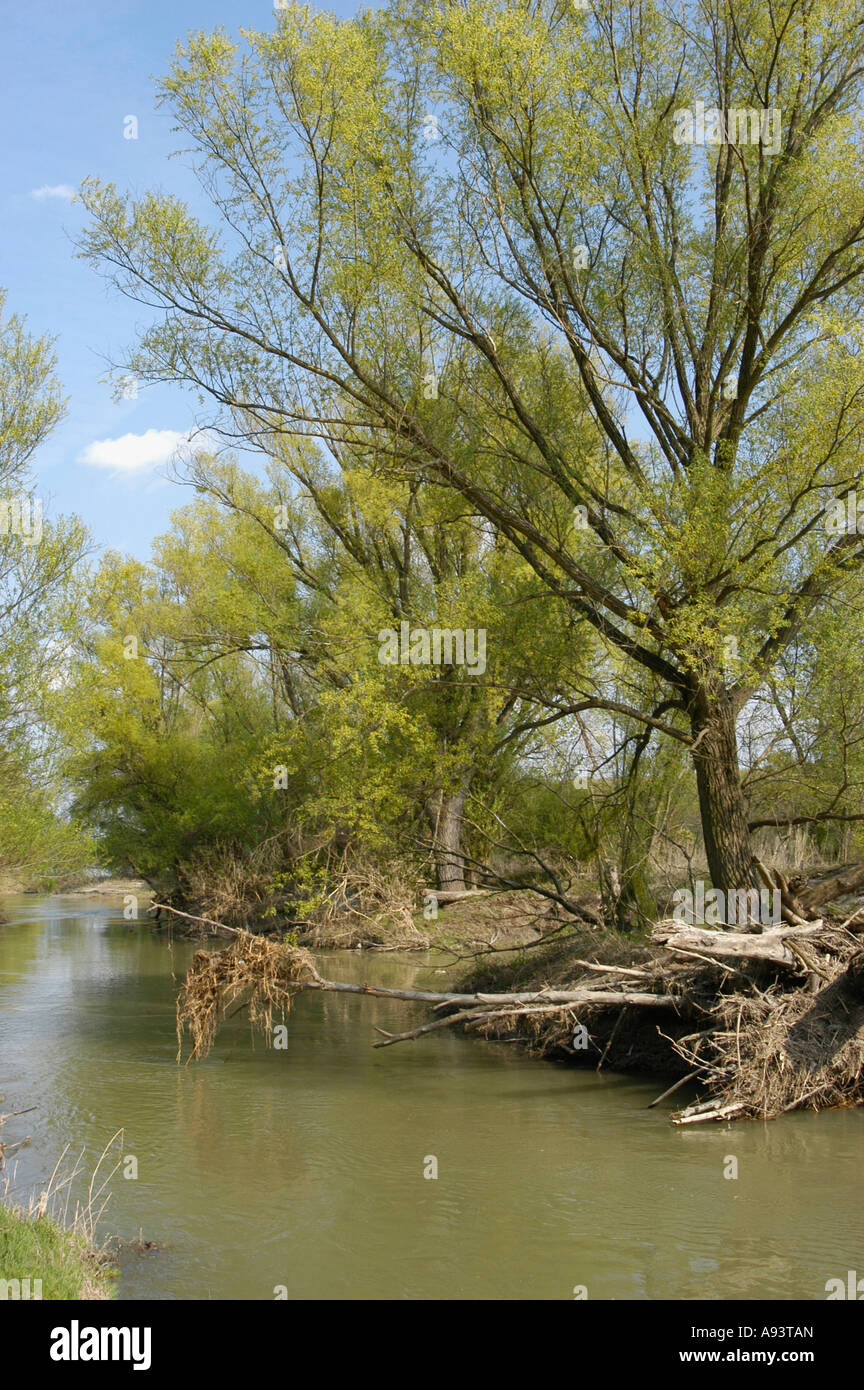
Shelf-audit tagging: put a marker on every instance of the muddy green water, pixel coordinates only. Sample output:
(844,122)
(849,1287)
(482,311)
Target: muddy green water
(304,1168)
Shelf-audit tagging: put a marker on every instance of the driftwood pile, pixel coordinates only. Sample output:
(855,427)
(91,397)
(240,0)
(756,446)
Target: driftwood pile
(765,1021)
(785,1030)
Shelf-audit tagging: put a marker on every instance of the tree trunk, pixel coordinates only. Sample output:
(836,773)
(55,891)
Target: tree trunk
(636,905)
(721,800)
(444,812)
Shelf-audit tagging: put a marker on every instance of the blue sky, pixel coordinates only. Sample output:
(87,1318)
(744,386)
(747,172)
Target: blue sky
(72,74)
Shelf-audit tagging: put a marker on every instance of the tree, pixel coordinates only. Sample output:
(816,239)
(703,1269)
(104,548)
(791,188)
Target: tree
(162,738)
(806,760)
(38,591)
(382,563)
(249,655)
(644,341)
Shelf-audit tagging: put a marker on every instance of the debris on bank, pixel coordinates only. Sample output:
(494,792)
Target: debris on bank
(764,1022)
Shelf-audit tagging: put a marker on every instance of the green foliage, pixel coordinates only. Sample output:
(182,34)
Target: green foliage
(160,756)
(619,463)
(234,688)
(37,845)
(37,1247)
(38,594)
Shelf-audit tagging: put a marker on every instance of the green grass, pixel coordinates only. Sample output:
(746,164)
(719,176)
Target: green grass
(36,1247)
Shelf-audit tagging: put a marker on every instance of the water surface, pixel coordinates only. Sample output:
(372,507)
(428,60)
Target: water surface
(303,1169)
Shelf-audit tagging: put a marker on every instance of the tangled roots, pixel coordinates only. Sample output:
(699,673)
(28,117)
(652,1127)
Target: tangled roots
(253,972)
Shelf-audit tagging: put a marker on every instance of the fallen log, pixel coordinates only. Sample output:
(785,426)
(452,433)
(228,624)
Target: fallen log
(791,910)
(609,969)
(519,1005)
(265,975)
(466,1016)
(444,896)
(697,1114)
(771,947)
(585,995)
(766,1045)
(834,885)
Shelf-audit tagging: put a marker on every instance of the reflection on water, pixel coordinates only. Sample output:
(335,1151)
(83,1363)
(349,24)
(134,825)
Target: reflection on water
(303,1168)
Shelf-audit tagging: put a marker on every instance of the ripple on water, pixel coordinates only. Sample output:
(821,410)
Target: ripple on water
(304,1168)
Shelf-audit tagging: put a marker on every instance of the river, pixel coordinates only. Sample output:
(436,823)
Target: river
(300,1172)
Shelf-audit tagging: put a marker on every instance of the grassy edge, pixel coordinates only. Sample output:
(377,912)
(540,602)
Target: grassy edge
(37,1247)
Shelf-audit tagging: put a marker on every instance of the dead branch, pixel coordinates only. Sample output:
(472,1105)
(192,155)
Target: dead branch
(771,947)
(837,884)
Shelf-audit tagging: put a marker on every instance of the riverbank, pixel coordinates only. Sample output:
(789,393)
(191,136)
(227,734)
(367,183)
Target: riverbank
(478,921)
(112,888)
(763,1023)
(41,1255)
(41,1259)
(109,888)
(641,1044)
(475,922)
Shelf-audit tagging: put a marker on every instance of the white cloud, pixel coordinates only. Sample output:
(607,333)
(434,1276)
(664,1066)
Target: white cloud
(134,453)
(53,190)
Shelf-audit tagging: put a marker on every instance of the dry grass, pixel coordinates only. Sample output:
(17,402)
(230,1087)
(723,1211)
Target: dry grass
(67,1238)
(502,920)
(794,852)
(252,972)
(238,889)
(331,898)
(368,904)
(54,1199)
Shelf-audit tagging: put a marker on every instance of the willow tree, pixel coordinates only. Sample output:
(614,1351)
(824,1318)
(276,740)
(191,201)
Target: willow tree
(597,269)
(37,557)
(39,589)
(384,564)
